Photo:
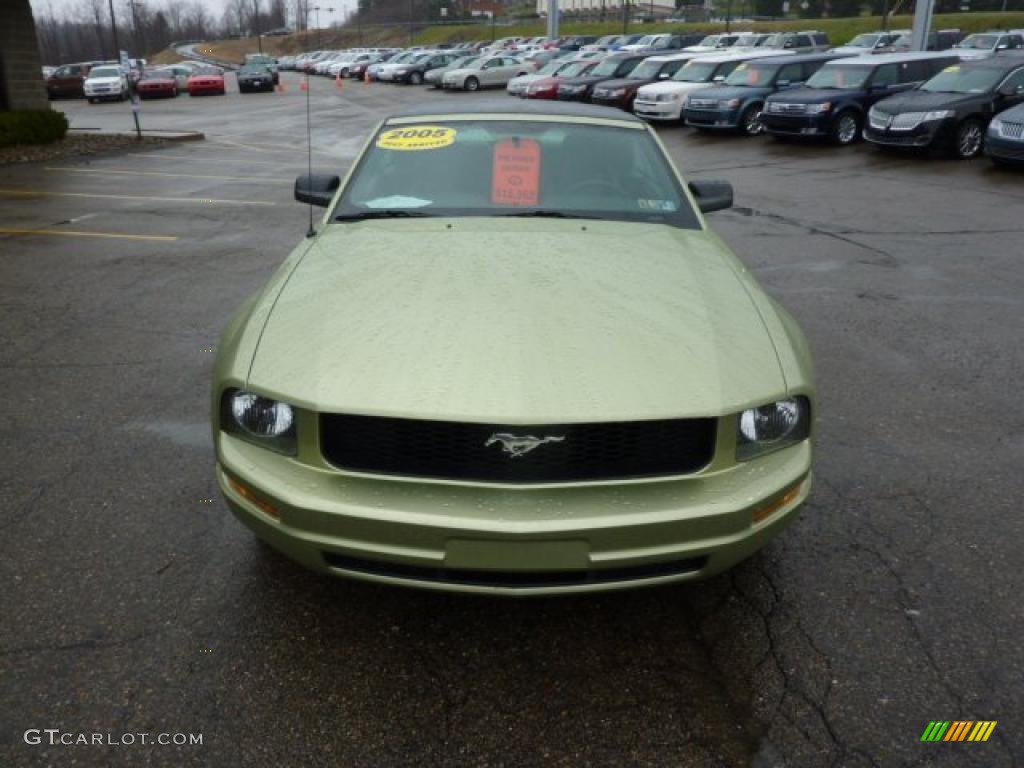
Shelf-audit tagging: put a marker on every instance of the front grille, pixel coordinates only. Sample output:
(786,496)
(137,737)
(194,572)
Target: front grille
(514,579)
(702,103)
(782,108)
(573,453)
(907,121)
(1011,130)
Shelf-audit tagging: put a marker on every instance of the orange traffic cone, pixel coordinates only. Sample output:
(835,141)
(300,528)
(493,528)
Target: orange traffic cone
(304,85)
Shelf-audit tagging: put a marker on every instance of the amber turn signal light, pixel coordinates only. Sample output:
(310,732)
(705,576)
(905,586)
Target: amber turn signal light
(252,497)
(763,513)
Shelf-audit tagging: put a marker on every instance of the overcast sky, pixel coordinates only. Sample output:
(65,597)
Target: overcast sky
(216,7)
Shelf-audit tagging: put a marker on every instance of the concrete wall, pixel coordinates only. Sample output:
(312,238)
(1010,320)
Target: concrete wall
(21,79)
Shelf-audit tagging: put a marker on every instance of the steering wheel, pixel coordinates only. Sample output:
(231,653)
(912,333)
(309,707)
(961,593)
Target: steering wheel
(597,185)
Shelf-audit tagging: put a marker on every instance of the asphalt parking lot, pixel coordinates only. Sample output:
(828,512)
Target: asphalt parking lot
(134,602)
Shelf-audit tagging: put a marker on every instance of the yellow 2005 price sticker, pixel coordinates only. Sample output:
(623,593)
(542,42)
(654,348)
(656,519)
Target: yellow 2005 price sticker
(417,137)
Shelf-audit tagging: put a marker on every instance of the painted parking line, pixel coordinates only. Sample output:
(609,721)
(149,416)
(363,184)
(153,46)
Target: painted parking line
(77,233)
(214,200)
(221,160)
(128,172)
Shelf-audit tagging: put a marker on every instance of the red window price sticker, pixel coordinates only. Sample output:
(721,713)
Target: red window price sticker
(516,179)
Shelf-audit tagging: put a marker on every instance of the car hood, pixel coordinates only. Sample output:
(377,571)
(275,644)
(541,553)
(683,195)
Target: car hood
(625,82)
(582,80)
(103,80)
(725,92)
(855,49)
(813,95)
(525,79)
(922,101)
(517,321)
(671,86)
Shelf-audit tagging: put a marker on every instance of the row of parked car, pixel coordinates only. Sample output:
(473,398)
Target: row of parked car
(109,81)
(966,99)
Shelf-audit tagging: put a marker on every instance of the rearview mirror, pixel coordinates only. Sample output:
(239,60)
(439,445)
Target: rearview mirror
(316,189)
(712,195)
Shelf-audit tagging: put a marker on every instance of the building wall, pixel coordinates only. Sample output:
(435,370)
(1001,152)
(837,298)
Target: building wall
(21,79)
(661,7)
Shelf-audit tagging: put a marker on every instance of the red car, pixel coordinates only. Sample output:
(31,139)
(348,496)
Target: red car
(156,83)
(547,87)
(206,80)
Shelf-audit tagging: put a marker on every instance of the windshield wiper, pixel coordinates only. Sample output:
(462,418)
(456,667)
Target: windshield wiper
(548,214)
(384,214)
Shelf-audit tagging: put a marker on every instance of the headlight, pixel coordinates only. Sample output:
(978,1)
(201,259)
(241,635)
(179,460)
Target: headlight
(938,114)
(259,420)
(813,109)
(729,103)
(995,124)
(769,427)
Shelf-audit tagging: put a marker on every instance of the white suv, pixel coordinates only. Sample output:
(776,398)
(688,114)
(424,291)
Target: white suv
(106,82)
(665,100)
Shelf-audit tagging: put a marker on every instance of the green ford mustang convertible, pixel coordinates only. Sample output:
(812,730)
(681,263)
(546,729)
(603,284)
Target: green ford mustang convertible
(514,359)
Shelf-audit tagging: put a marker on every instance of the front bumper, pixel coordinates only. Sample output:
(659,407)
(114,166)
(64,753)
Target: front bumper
(658,110)
(921,136)
(195,89)
(1004,149)
(807,126)
(712,118)
(619,102)
(512,541)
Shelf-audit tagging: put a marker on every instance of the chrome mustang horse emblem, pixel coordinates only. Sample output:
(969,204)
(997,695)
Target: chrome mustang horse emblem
(519,445)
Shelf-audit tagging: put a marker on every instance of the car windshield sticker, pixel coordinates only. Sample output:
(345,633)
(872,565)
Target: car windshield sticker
(416,138)
(397,201)
(656,205)
(516,179)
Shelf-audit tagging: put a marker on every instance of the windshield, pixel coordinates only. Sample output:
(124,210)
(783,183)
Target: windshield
(979,42)
(709,42)
(747,40)
(958,79)
(479,167)
(864,41)
(696,71)
(647,70)
(646,40)
(839,77)
(752,74)
(576,68)
(105,72)
(253,69)
(606,67)
(550,68)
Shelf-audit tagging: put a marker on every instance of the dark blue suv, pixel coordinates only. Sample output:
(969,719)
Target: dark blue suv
(836,99)
(737,103)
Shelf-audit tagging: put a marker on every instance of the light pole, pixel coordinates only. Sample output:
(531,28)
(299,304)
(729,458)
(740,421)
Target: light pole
(113,29)
(256,24)
(135,25)
(316,10)
(410,23)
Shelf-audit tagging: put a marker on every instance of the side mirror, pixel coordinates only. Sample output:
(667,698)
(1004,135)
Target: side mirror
(316,189)
(712,195)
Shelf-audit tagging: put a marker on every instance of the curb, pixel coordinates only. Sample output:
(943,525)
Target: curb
(152,133)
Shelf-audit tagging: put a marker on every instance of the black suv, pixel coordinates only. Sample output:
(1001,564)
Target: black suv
(837,97)
(613,66)
(952,110)
(737,103)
